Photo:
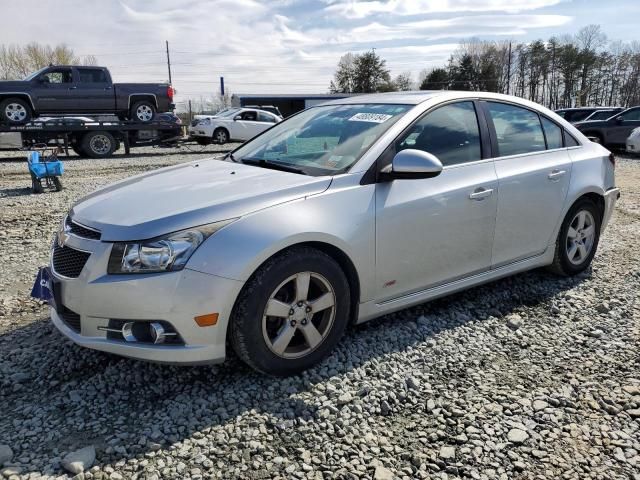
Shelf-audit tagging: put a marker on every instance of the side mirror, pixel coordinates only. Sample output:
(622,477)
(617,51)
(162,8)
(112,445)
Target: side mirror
(412,164)
(237,117)
(619,119)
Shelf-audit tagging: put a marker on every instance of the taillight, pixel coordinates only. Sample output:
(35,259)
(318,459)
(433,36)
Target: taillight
(612,159)
(170,92)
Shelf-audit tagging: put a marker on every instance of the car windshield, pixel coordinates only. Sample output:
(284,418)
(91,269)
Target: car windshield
(601,115)
(33,75)
(323,140)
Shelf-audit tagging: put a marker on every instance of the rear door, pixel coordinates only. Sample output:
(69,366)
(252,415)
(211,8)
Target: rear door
(533,169)
(247,126)
(94,92)
(622,126)
(51,91)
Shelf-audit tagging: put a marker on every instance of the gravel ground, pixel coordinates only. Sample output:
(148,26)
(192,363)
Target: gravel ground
(530,377)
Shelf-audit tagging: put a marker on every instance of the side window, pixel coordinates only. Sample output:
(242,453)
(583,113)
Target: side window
(569,141)
(518,129)
(265,117)
(251,116)
(580,115)
(451,133)
(92,75)
(631,115)
(62,75)
(553,133)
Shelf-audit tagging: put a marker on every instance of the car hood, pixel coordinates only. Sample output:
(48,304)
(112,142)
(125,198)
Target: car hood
(188,195)
(5,85)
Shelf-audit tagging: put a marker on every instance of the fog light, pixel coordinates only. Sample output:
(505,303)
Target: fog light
(157,333)
(127,332)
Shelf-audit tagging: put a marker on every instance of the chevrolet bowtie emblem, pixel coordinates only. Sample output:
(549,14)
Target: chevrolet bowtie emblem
(62,238)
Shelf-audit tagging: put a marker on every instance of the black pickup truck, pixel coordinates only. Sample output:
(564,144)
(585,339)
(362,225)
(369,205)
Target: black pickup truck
(612,132)
(67,89)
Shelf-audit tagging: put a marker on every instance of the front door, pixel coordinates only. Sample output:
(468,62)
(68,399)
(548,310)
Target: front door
(247,126)
(534,170)
(433,231)
(52,90)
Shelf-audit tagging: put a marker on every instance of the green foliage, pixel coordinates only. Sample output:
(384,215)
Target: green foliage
(361,73)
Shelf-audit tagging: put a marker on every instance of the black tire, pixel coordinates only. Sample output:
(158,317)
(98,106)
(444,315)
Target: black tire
(143,111)
(220,136)
(78,150)
(562,265)
(246,323)
(99,144)
(15,111)
(57,183)
(36,185)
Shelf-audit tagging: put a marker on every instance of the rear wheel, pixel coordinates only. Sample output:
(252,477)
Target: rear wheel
(98,144)
(291,313)
(15,111)
(578,239)
(36,185)
(143,111)
(57,183)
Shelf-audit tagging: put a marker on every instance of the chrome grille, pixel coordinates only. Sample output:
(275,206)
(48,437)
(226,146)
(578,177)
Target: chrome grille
(68,261)
(70,318)
(80,231)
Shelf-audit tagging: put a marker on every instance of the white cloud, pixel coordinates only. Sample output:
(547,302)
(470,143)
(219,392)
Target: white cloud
(364,8)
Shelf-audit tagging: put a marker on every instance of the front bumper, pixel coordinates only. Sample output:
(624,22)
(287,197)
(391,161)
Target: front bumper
(611,196)
(172,297)
(199,132)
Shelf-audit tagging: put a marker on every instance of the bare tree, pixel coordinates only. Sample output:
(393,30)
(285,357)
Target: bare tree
(18,61)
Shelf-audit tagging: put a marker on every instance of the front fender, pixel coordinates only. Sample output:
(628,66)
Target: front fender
(343,217)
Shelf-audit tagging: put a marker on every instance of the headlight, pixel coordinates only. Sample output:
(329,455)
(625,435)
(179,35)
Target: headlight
(163,254)
(205,121)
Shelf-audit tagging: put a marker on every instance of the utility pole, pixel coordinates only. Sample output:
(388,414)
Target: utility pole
(509,71)
(190,113)
(168,61)
(222,87)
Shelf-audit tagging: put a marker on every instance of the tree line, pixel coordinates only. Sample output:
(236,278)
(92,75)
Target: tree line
(18,61)
(584,69)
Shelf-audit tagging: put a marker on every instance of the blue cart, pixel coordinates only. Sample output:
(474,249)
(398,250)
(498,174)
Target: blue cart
(45,169)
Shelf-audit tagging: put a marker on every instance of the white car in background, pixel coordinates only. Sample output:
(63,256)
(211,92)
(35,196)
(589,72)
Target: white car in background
(234,124)
(633,142)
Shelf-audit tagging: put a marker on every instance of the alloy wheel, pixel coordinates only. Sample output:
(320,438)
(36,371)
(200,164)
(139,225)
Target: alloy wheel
(581,236)
(299,315)
(144,113)
(15,112)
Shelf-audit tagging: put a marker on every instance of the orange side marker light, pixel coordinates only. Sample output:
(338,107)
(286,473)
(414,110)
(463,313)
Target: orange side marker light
(208,320)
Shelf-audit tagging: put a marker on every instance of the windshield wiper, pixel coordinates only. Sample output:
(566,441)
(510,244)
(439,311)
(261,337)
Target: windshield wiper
(230,155)
(261,162)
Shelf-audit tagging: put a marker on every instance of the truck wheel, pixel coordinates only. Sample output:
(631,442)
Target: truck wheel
(15,111)
(78,150)
(57,183)
(98,144)
(143,111)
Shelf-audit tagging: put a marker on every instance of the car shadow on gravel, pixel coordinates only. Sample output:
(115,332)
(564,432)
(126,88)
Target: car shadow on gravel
(58,397)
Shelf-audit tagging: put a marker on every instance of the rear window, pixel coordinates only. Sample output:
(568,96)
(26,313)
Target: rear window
(569,141)
(92,75)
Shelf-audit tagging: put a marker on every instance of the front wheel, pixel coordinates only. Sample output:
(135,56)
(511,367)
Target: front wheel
(291,313)
(220,136)
(98,144)
(578,239)
(143,112)
(15,111)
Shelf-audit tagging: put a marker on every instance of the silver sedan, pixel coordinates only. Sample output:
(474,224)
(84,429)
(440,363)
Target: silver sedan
(344,212)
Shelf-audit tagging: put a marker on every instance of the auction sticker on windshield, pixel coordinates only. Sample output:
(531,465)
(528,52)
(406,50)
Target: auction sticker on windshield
(370,117)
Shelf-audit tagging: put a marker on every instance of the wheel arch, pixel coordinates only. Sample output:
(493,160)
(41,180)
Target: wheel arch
(21,95)
(221,127)
(138,97)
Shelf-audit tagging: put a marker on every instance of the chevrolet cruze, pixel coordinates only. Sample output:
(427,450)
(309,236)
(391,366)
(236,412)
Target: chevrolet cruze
(341,213)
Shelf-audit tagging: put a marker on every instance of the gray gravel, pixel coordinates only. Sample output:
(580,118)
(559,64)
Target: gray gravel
(530,377)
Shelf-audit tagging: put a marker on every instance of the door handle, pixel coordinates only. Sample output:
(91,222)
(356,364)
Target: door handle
(72,88)
(481,194)
(555,174)
(107,88)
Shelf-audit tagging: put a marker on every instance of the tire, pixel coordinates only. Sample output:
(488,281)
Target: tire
(253,333)
(570,258)
(143,112)
(36,185)
(57,183)
(220,136)
(98,144)
(78,150)
(15,111)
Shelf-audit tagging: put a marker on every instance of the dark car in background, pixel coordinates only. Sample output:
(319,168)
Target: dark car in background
(579,114)
(614,131)
(70,89)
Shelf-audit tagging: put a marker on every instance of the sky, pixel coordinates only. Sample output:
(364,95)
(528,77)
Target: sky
(290,46)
